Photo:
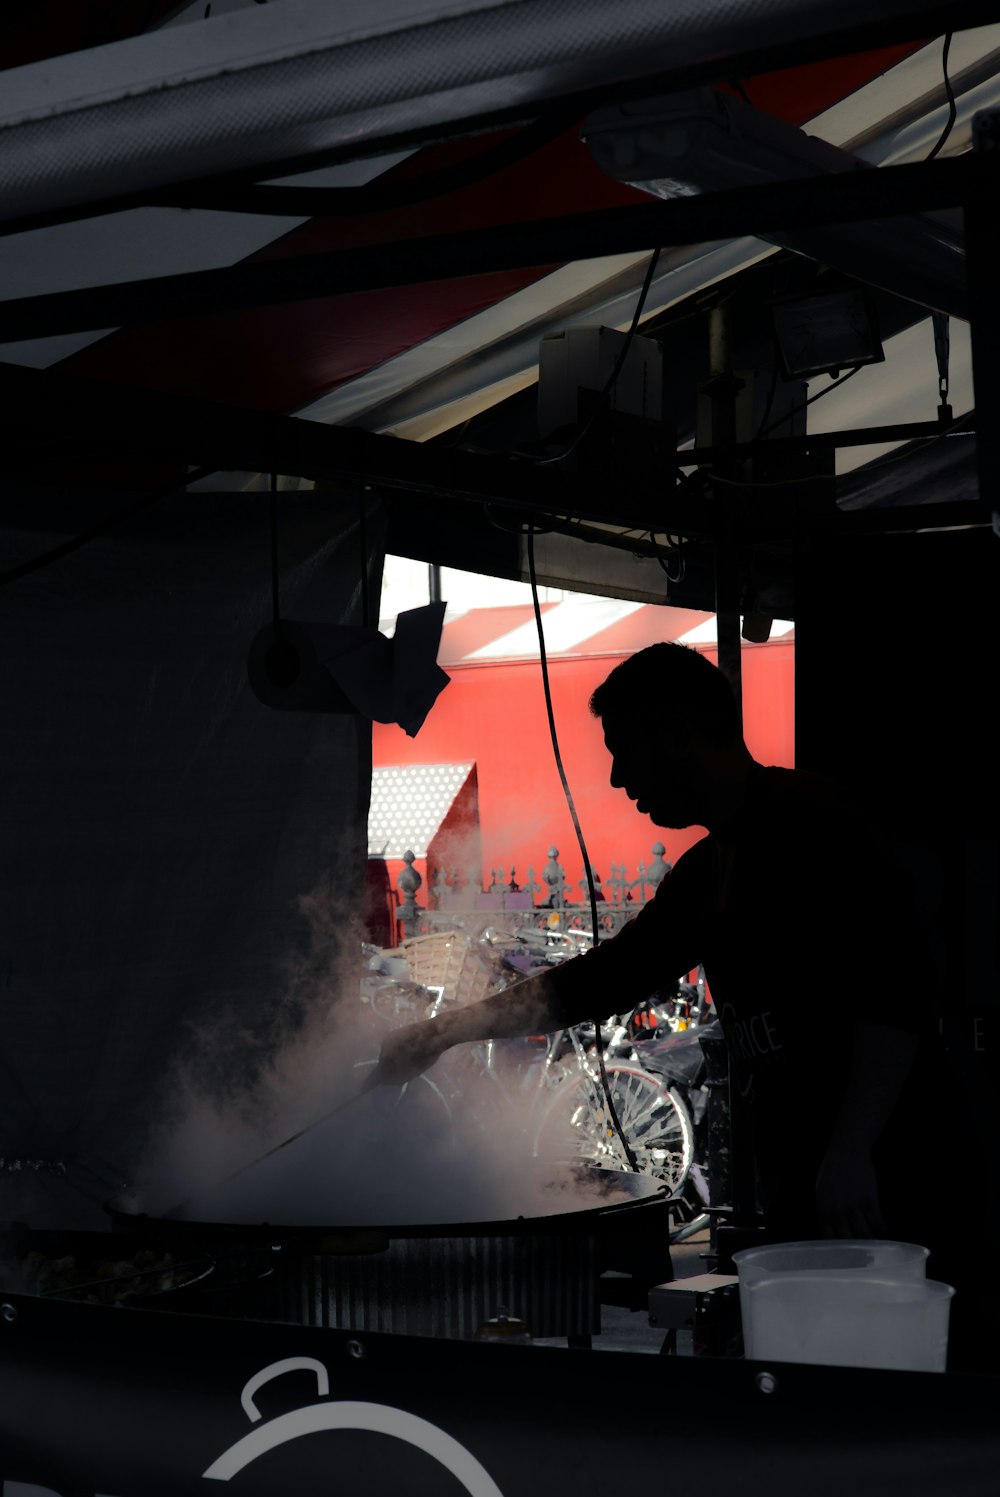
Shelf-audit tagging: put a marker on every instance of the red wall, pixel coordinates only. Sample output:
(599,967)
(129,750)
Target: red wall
(495,715)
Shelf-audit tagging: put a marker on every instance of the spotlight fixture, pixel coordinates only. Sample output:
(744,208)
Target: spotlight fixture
(702,140)
(825,332)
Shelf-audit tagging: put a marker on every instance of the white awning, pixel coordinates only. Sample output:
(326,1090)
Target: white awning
(409,802)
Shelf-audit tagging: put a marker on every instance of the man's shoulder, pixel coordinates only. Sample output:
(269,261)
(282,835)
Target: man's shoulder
(690,868)
(803,792)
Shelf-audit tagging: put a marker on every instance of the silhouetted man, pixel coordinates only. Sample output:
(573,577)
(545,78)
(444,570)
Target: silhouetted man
(796,909)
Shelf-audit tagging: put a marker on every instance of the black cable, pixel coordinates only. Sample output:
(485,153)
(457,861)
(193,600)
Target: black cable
(681,560)
(766,431)
(612,378)
(274,555)
(812,398)
(66,548)
(363,544)
(517,524)
(952,106)
(769,404)
(591,888)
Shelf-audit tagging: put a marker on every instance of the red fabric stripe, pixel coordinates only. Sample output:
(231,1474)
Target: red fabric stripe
(281,358)
(799,94)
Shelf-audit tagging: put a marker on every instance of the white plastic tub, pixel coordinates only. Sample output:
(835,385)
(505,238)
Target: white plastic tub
(869,1258)
(872,1257)
(842,1255)
(849,1320)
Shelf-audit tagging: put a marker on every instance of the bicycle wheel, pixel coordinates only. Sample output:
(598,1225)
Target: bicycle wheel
(576,1125)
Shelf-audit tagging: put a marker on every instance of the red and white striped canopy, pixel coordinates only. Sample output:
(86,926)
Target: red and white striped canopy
(573,628)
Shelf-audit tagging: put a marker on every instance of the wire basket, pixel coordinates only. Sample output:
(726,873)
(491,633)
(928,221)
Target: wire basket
(446,960)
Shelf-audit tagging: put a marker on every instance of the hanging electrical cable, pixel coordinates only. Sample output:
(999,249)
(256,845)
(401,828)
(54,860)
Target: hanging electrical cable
(612,379)
(787,416)
(681,560)
(274,552)
(588,869)
(950,92)
(281,663)
(363,546)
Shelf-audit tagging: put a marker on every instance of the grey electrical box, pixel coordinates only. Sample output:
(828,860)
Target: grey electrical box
(582,359)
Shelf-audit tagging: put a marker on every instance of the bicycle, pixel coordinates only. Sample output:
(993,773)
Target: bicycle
(549,1089)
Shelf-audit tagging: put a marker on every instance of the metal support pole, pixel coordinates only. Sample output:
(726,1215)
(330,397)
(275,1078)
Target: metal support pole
(982,236)
(723,388)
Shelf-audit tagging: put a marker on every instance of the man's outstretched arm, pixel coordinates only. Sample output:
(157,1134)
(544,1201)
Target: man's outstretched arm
(537,1005)
(664,941)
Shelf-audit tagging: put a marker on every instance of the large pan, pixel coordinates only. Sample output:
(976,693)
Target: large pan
(613,1197)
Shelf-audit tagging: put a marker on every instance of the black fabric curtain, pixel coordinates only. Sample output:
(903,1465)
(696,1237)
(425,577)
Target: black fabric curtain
(177,858)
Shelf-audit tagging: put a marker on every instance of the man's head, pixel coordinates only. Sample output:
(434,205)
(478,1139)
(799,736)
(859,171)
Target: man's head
(672,728)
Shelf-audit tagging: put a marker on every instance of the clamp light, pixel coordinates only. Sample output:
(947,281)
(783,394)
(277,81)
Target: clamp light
(824,333)
(703,140)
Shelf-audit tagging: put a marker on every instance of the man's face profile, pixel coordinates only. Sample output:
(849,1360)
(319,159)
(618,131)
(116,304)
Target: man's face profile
(656,763)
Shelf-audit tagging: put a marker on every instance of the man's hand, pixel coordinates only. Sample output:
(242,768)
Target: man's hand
(406,1053)
(847,1203)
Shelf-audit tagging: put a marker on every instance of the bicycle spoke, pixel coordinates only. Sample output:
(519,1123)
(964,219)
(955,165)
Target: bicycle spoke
(580,1126)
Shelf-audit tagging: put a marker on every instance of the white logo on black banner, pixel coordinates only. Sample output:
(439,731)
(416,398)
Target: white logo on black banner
(346,1414)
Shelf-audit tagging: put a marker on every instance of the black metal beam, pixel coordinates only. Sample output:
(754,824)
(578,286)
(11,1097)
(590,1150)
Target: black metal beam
(982,234)
(911,24)
(40,407)
(860,436)
(880,193)
(902,519)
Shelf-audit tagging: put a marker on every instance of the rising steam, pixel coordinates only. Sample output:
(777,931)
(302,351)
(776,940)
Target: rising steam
(454,1146)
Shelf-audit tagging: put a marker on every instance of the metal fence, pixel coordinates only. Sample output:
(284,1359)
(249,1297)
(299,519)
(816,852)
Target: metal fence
(454,898)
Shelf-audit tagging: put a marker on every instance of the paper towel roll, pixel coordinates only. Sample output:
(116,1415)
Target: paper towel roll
(314,667)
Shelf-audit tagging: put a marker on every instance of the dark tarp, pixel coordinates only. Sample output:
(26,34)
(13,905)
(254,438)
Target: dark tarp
(939,471)
(161,826)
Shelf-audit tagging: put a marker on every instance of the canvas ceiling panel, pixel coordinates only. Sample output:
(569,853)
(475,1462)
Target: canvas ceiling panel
(249,88)
(122,247)
(280,358)
(435,386)
(497,351)
(284,358)
(910,101)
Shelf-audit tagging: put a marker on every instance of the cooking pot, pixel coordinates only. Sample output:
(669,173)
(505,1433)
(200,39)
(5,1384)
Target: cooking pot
(611,1198)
